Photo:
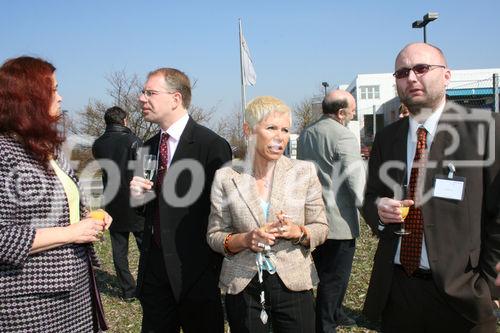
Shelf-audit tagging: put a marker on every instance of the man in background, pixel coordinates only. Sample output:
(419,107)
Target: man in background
(336,152)
(119,145)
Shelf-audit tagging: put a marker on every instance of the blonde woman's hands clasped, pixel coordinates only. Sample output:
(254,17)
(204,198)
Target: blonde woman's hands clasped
(259,239)
(283,227)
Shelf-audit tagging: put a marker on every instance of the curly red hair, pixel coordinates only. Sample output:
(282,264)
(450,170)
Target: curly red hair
(26,95)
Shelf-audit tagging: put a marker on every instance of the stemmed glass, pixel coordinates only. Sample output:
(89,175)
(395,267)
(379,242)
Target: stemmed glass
(404,213)
(149,165)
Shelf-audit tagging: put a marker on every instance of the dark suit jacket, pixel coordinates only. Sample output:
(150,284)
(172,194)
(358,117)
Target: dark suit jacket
(462,237)
(119,145)
(183,229)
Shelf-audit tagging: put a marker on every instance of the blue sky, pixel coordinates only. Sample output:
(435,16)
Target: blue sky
(295,45)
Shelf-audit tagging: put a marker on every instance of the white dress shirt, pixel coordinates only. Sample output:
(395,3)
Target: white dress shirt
(174,131)
(430,124)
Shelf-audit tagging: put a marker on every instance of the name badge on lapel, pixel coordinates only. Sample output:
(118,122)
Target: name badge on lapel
(451,187)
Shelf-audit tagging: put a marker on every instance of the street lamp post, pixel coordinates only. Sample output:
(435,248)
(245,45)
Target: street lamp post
(429,17)
(325,85)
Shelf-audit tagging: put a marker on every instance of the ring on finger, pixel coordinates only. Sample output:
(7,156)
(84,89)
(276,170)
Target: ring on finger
(260,244)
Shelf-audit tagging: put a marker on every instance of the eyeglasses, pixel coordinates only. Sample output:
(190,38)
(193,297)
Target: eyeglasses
(148,92)
(419,69)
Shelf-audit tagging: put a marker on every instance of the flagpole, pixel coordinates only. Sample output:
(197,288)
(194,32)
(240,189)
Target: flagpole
(243,96)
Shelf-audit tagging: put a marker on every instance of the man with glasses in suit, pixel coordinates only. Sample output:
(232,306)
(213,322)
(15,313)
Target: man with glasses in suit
(439,277)
(178,272)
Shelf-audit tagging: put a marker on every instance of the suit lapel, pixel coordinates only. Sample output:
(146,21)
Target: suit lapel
(400,148)
(279,186)
(185,141)
(441,142)
(153,144)
(246,186)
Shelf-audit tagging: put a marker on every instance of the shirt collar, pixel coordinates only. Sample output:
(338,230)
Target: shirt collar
(430,124)
(175,130)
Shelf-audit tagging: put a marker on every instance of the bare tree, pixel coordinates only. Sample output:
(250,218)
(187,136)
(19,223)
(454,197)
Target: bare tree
(91,118)
(230,128)
(200,115)
(304,114)
(124,91)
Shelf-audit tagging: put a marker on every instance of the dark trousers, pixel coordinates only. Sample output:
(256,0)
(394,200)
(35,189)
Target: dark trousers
(415,305)
(288,311)
(333,260)
(119,244)
(200,310)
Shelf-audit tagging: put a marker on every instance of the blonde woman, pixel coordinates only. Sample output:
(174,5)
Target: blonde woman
(267,215)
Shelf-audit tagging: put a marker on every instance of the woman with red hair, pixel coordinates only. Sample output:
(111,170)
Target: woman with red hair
(46,256)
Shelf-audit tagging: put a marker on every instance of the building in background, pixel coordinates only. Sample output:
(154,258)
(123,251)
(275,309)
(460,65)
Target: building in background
(291,148)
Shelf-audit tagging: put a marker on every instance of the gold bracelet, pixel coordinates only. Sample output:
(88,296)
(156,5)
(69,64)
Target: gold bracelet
(226,243)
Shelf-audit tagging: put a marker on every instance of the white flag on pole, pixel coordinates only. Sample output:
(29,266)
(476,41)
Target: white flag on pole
(249,76)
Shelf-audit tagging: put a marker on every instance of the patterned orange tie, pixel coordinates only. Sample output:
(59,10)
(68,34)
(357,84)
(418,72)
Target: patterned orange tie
(162,169)
(411,245)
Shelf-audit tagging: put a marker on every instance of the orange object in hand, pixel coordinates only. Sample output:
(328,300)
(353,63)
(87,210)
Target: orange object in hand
(98,214)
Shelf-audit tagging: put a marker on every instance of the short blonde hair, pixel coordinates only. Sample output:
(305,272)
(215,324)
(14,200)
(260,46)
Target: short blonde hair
(260,107)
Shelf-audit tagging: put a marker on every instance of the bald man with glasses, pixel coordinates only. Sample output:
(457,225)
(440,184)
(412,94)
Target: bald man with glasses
(442,161)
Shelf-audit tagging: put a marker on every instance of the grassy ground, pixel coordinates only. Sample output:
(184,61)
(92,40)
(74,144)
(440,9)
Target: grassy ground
(122,317)
(125,317)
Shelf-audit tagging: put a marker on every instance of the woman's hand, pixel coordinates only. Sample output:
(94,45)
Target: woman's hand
(101,214)
(107,220)
(283,227)
(257,239)
(87,230)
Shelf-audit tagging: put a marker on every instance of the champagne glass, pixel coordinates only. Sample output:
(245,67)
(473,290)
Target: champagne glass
(404,213)
(149,165)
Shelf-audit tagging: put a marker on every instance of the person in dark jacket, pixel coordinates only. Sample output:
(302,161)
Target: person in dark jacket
(119,145)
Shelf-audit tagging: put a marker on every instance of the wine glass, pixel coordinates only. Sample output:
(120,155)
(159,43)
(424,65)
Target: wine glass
(149,165)
(404,213)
